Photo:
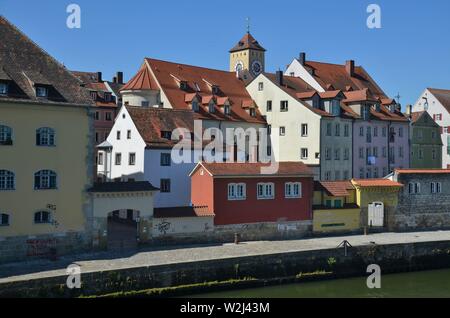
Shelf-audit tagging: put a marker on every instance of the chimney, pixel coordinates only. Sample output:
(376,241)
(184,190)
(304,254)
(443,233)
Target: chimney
(279,78)
(119,77)
(99,77)
(302,58)
(114,79)
(350,67)
(409,110)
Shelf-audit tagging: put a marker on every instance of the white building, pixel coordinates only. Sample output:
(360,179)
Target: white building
(437,103)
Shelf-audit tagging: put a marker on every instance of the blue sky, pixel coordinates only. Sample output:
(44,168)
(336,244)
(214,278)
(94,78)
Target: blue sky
(409,53)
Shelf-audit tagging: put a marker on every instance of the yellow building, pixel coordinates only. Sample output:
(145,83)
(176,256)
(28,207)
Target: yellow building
(377,195)
(46,151)
(334,207)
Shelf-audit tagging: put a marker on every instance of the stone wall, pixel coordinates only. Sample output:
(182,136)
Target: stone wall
(24,248)
(424,210)
(391,258)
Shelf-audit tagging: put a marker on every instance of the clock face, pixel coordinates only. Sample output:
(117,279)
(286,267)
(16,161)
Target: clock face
(256,67)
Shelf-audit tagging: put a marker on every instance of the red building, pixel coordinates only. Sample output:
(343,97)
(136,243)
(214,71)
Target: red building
(239,193)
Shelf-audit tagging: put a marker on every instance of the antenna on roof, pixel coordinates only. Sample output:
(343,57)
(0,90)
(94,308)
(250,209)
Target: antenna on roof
(248,24)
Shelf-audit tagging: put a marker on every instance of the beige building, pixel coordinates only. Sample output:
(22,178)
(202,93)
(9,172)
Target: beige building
(46,152)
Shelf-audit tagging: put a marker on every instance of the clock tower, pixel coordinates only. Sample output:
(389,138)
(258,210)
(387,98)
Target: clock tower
(248,55)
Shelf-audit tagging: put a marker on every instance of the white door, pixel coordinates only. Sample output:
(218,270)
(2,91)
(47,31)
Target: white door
(376,214)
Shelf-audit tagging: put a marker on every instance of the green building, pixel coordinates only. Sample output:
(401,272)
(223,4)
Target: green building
(426,142)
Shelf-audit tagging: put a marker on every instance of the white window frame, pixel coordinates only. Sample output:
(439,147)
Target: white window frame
(1,219)
(304,130)
(47,137)
(265,191)
(7,180)
(3,89)
(237,191)
(304,153)
(293,190)
(260,86)
(50,217)
(44,180)
(132,155)
(41,91)
(5,134)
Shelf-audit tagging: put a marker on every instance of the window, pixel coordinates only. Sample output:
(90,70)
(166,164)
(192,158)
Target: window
(337,154)
(400,152)
(369,134)
(45,137)
(282,131)
(100,158)
(437,117)
(7,180)
(118,135)
(260,86)
(269,106)
(436,187)
(45,180)
(5,135)
(118,159)
(400,131)
(384,152)
(346,175)
(433,154)
(375,131)
(165,159)
(369,173)
(227,110)
(338,130)
(165,186)
(108,116)
(4,219)
(284,106)
(361,153)
(328,175)
(292,190)
(329,129)
(346,154)
(42,217)
(128,134)
(107,96)
(384,131)
(335,107)
(414,188)
(41,91)
(420,153)
(346,130)
(166,135)
(252,112)
(211,107)
(338,204)
(375,172)
(304,130)
(195,106)
(237,191)
(375,152)
(327,154)
(131,159)
(361,131)
(3,89)
(93,95)
(361,173)
(304,153)
(265,191)
(97,115)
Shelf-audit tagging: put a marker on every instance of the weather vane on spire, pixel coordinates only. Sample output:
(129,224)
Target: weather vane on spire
(398,97)
(248,24)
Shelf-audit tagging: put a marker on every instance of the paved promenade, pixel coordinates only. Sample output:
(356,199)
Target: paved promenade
(147,257)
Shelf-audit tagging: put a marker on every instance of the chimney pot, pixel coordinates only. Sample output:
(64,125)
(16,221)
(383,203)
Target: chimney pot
(99,77)
(119,76)
(350,67)
(302,58)
(279,77)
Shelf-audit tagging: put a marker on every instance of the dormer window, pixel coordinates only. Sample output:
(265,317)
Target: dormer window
(335,107)
(226,110)
(215,89)
(183,85)
(253,112)
(195,106)
(365,112)
(166,135)
(94,95)
(377,107)
(107,96)
(3,89)
(211,107)
(41,91)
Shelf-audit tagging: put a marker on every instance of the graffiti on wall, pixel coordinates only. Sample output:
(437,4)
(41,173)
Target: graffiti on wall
(163,227)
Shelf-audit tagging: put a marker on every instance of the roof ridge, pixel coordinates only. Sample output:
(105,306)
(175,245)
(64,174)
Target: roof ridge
(189,65)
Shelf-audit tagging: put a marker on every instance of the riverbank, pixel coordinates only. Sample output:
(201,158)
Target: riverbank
(104,274)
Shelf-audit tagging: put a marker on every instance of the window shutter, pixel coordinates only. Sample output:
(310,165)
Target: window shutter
(53,182)
(38,139)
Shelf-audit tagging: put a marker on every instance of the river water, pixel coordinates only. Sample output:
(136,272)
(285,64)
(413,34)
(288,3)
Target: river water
(417,284)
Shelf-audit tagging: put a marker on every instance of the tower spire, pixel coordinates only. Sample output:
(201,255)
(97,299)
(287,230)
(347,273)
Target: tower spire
(248,24)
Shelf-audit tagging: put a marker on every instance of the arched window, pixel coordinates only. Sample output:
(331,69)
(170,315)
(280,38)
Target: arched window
(5,135)
(42,217)
(45,136)
(45,179)
(4,219)
(7,181)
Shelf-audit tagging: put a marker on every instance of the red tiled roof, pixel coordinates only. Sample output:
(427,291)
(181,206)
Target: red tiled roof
(254,169)
(306,95)
(183,211)
(337,76)
(151,121)
(361,95)
(334,188)
(247,42)
(443,96)
(143,80)
(197,78)
(376,183)
(416,115)
(330,94)
(423,171)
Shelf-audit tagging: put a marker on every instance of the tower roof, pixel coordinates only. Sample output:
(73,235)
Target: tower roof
(247,42)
